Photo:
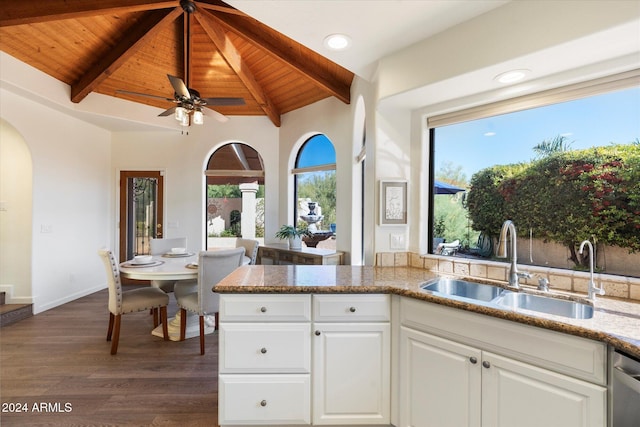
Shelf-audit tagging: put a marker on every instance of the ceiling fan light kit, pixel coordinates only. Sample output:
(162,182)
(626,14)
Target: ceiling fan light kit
(198,117)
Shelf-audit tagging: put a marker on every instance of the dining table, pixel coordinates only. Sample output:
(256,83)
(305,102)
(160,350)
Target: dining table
(169,267)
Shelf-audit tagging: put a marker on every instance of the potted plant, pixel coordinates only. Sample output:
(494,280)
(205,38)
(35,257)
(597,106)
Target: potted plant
(293,235)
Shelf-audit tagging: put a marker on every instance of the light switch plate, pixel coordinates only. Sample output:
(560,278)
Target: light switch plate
(397,241)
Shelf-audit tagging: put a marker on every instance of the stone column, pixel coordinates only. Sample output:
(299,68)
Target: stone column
(248,219)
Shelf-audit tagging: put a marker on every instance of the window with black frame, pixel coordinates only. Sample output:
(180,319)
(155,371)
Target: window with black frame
(315,190)
(563,173)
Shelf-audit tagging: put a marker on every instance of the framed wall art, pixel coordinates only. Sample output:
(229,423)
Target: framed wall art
(393,202)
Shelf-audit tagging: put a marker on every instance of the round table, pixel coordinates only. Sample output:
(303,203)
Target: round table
(171,268)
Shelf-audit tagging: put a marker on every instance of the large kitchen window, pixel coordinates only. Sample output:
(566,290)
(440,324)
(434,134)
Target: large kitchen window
(315,181)
(563,172)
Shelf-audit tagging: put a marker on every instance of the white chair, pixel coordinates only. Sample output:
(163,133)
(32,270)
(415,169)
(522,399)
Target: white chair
(250,249)
(130,301)
(212,267)
(160,247)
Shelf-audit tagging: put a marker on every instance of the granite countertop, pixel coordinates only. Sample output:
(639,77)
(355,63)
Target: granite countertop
(615,321)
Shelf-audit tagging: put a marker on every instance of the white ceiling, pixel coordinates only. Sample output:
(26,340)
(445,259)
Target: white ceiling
(379,28)
(376,27)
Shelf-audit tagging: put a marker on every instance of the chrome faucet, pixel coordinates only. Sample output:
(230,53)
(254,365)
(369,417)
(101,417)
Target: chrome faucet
(508,228)
(592,289)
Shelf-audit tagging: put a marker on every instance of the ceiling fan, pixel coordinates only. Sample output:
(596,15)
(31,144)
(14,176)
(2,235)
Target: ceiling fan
(190,107)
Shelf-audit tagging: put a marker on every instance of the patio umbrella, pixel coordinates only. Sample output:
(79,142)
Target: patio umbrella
(444,188)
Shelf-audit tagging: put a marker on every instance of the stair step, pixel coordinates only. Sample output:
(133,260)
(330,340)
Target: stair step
(12,313)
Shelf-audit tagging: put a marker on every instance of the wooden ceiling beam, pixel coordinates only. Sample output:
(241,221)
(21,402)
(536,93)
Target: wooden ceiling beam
(234,59)
(133,39)
(290,52)
(21,12)
(219,6)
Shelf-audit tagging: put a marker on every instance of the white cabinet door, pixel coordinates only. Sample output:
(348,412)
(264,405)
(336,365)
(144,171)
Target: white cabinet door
(518,394)
(351,373)
(440,382)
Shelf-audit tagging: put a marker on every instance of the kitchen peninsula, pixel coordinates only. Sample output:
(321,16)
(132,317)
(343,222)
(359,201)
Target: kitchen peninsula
(342,333)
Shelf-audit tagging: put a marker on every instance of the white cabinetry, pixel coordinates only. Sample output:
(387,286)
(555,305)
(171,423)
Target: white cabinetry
(351,359)
(264,360)
(451,373)
(273,364)
(440,385)
(516,393)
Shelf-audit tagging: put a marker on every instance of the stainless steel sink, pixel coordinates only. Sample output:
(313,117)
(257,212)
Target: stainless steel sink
(543,304)
(462,289)
(495,296)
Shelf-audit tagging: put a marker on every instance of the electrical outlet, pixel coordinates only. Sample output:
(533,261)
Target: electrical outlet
(46,228)
(397,241)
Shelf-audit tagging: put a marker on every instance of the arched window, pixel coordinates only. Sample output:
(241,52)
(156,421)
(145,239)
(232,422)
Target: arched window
(315,181)
(235,193)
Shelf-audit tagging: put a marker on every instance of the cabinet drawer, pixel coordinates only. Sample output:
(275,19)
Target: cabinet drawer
(264,308)
(264,399)
(265,348)
(351,307)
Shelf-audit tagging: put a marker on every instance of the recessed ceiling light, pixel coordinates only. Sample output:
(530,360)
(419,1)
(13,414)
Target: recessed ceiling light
(489,134)
(511,76)
(337,41)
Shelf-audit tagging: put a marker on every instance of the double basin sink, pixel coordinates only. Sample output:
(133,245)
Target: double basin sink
(495,296)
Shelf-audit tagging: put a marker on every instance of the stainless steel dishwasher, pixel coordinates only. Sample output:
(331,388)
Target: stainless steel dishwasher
(625,390)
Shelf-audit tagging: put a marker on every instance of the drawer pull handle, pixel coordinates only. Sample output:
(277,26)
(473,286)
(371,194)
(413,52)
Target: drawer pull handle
(263,350)
(263,403)
(263,309)
(318,333)
(486,364)
(473,360)
(352,309)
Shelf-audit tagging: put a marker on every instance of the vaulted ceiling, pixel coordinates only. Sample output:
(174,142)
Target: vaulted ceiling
(107,46)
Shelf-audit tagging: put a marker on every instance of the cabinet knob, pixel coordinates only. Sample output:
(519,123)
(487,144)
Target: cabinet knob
(352,309)
(318,333)
(263,350)
(263,309)
(473,360)
(486,364)
(263,403)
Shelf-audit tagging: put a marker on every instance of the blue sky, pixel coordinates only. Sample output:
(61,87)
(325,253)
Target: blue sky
(599,120)
(317,151)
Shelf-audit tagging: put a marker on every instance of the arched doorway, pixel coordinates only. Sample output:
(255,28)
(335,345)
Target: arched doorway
(234,194)
(16,196)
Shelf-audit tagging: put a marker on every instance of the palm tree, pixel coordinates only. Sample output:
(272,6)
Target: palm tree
(556,145)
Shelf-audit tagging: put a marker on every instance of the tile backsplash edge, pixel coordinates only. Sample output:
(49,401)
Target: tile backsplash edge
(559,279)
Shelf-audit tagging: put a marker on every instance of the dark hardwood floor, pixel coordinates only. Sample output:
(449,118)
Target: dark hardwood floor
(57,366)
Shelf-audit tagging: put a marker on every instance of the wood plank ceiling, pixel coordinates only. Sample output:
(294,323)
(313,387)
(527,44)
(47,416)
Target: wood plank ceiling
(108,45)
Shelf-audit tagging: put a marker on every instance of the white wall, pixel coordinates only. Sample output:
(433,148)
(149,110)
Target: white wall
(70,220)
(183,158)
(512,34)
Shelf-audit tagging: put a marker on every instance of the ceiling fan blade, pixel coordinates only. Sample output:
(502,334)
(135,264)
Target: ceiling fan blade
(213,113)
(168,112)
(179,87)
(126,92)
(224,102)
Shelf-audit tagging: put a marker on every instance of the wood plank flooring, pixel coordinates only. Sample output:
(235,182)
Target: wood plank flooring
(59,361)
